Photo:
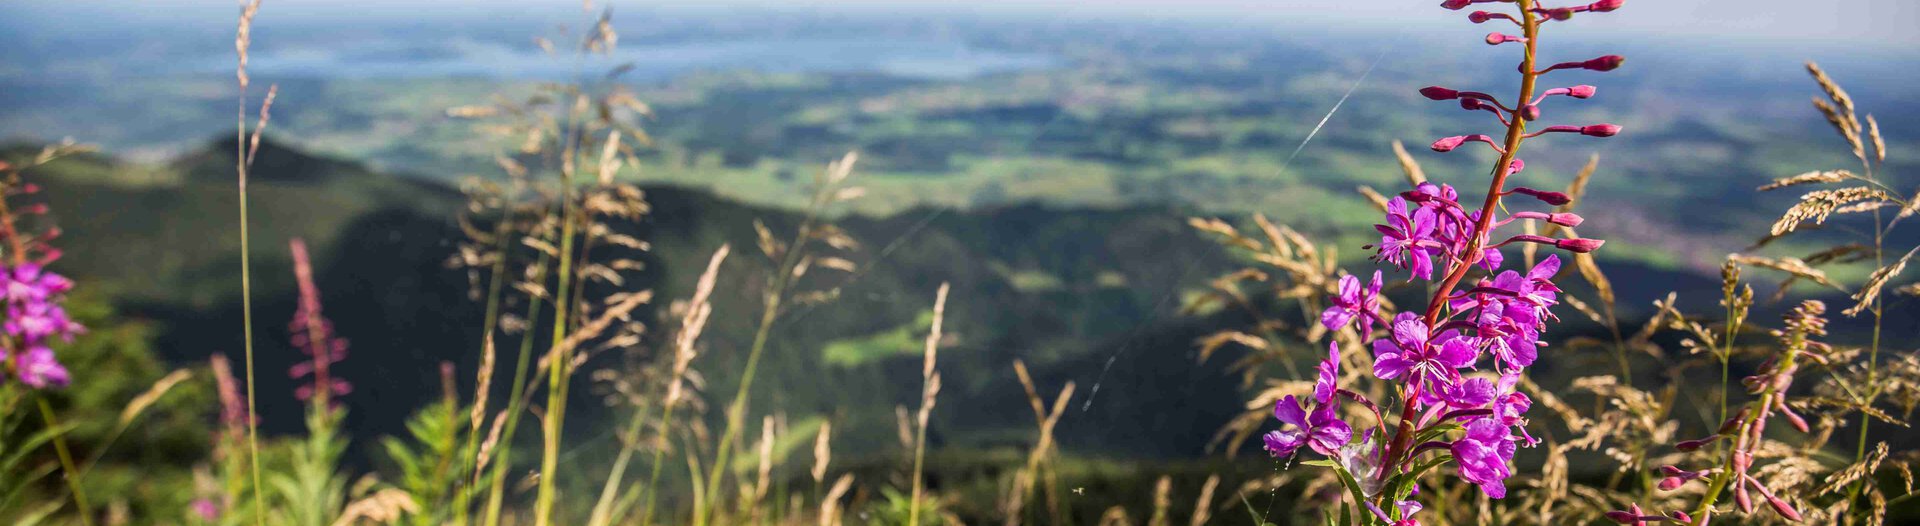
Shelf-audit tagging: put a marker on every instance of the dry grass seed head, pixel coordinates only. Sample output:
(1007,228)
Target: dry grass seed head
(1818,204)
(1817,177)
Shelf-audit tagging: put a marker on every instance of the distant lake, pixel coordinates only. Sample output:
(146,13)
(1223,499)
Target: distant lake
(928,59)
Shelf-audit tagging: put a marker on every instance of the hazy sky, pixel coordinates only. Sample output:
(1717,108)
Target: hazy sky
(1874,23)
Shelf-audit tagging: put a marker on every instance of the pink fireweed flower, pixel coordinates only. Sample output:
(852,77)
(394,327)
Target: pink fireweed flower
(206,509)
(1468,394)
(32,299)
(1510,406)
(1329,373)
(29,283)
(1407,240)
(1406,508)
(39,370)
(1425,360)
(1353,303)
(1484,454)
(1322,431)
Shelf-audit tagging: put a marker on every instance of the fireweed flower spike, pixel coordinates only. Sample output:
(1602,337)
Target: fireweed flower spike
(1432,233)
(313,335)
(34,315)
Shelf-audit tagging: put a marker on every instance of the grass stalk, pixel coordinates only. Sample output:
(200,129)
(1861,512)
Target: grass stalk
(557,373)
(243,39)
(516,406)
(463,497)
(66,463)
(930,388)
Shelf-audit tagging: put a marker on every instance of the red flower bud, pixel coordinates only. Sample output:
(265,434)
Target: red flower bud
(1530,112)
(1695,445)
(1604,6)
(1792,417)
(1439,93)
(1600,130)
(1671,483)
(1622,517)
(1579,245)
(1580,92)
(1781,507)
(1449,143)
(1551,198)
(1733,422)
(1456,5)
(1605,63)
(1495,39)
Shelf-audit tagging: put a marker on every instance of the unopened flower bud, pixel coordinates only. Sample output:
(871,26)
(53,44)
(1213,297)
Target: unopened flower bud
(1622,517)
(29,188)
(1560,13)
(1479,17)
(36,208)
(1695,445)
(1456,5)
(1495,39)
(1671,483)
(1580,92)
(1600,130)
(1530,112)
(1604,6)
(1605,63)
(1449,143)
(1516,166)
(1579,245)
(1733,422)
(1792,417)
(1439,93)
(1742,499)
(1680,516)
(1781,507)
(1558,218)
(1551,198)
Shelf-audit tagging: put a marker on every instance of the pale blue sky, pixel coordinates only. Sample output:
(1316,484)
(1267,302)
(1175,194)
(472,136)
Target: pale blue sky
(1874,23)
